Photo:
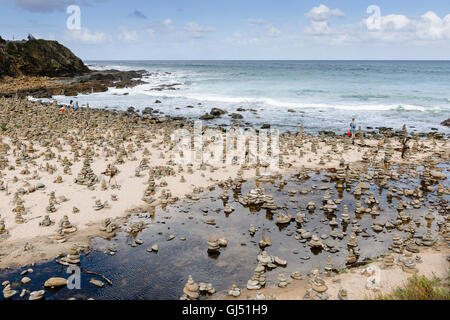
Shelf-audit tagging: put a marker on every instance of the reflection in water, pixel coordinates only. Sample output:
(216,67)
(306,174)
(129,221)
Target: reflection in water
(139,274)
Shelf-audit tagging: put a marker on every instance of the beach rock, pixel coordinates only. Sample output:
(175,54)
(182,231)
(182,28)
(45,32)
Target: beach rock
(342,294)
(97,283)
(25,280)
(8,292)
(253,285)
(446,123)
(216,112)
(36,295)
(190,290)
(234,291)
(282,281)
(213,244)
(55,282)
(297,276)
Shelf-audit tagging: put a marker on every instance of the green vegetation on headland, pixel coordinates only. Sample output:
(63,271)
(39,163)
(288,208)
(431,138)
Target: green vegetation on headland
(37,57)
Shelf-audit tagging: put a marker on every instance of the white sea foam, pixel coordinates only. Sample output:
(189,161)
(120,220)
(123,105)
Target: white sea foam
(263,101)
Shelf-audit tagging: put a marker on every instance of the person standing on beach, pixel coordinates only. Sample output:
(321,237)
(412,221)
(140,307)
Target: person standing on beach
(353,129)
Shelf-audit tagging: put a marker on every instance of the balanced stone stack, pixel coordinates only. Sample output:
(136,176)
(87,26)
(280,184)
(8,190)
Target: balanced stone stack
(73,257)
(234,291)
(46,222)
(282,281)
(213,245)
(190,290)
(397,244)
(3,231)
(345,218)
(86,177)
(254,197)
(107,226)
(66,226)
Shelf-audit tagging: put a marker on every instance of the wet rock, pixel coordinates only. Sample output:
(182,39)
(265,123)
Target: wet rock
(37,295)
(190,290)
(97,283)
(55,282)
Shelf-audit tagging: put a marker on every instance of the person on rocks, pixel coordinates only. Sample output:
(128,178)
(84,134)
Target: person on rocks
(353,129)
(75,107)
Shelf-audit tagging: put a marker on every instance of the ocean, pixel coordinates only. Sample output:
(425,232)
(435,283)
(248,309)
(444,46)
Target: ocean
(325,95)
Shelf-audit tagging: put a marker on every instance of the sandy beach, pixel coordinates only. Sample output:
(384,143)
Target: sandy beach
(45,152)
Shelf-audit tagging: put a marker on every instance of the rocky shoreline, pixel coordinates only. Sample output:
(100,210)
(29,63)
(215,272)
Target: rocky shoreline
(44,87)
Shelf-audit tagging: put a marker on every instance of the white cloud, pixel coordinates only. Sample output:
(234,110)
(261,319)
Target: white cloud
(319,17)
(390,28)
(431,27)
(322,13)
(84,36)
(151,31)
(196,30)
(428,27)
(127,35)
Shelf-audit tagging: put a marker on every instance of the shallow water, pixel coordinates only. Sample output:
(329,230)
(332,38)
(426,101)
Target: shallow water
(137,274)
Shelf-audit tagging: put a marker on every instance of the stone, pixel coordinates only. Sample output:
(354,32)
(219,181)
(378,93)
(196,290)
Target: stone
(97,283)
(191,288)
(234,291)
(213,244)
(342,294)
(253,285)
(8,292)
(55,282)
(297,276)
(37,295)
(318,285)
(283,218)
(25,280)
(279,261)
(315,242)
(282,281)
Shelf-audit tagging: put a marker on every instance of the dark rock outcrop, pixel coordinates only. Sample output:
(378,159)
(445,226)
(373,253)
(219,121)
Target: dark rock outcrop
(37,57)
(446,123)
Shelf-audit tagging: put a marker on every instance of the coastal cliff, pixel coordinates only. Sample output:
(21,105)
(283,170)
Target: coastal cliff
(44,68)
(37,57)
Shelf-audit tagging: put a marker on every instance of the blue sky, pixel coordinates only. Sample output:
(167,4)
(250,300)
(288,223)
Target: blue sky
(237,29)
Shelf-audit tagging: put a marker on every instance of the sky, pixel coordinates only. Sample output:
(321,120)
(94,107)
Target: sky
(236,29)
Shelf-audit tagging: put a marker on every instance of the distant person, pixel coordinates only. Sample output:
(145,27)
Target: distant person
(353,129)
(75,107)
(87,107)
(70,103)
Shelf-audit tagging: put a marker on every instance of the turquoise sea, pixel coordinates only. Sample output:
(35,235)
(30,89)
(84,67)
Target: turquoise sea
(324,94)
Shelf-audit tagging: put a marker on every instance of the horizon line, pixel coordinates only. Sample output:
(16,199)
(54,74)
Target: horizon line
(400,60)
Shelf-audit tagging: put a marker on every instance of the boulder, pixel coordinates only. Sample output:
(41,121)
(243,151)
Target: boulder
(216,112)
(446,123)
(55,282)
